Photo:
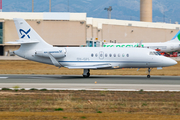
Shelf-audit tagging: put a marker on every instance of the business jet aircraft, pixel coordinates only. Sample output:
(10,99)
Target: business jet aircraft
(169,46)
(34,48)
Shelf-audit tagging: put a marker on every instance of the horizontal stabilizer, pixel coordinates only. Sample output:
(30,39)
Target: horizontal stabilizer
(102,66)
(23,41)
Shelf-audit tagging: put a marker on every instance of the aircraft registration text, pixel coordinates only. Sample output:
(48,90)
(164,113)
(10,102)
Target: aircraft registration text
(83,59)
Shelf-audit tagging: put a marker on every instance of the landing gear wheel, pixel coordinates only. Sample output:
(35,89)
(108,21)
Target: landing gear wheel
(149,70)
(86,73)
(86,76)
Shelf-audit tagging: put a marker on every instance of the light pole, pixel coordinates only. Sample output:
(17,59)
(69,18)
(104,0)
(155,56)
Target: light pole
(164,17)
(49,5)
(68,5)
(32,5)
(109,11)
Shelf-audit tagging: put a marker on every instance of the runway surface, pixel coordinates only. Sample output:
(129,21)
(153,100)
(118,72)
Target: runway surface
(77,82)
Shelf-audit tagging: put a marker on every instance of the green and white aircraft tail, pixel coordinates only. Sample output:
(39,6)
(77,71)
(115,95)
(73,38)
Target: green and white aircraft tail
(176,38)
(169,46)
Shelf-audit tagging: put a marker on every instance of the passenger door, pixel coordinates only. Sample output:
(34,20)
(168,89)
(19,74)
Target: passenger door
(101,55)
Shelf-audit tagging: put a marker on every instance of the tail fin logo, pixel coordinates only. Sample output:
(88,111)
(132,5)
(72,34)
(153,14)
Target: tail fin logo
(24,33)
(178,37)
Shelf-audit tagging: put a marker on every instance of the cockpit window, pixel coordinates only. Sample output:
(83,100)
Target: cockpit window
(154,53)
(151,53)
(158,53)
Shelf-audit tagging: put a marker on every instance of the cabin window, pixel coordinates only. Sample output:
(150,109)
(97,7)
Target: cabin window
(123,55)
(96,54)
(119,55)
(110,55)
(106,55)
(127,55)
(92,55)
(114,55)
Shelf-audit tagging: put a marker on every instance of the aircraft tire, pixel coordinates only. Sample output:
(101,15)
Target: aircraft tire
(148,76)
(86,76)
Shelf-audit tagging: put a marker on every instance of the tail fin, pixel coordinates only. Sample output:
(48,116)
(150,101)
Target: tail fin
(27,34)
(176,37)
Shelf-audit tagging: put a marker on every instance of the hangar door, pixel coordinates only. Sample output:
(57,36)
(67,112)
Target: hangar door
(1,39)
(1,50)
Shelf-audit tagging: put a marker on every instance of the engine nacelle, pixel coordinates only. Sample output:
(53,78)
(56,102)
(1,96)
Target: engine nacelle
(57,53)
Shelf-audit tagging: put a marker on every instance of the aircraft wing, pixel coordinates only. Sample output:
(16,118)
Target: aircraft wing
(100,66)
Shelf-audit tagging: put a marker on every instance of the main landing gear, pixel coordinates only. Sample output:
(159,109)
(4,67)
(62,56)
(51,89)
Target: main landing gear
(149,70)
(86,73)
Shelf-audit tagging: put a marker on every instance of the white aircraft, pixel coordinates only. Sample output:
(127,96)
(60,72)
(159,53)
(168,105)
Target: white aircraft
(34,48)
(169,46)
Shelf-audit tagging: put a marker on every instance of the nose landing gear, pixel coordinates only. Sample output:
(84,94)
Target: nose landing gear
(149,70)
(86,73)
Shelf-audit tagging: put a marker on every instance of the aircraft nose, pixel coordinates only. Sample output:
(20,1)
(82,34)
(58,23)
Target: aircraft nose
(170,62)
(173,62)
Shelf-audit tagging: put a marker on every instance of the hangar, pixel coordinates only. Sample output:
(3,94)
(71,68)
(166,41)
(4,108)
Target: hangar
(76,29)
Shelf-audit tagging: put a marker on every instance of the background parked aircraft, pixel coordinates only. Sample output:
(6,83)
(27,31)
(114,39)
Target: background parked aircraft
(169,46)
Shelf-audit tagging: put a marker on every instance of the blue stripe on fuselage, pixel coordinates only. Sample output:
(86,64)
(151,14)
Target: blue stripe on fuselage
(109,61)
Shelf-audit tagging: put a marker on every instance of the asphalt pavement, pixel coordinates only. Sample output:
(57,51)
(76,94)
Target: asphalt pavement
(77,82)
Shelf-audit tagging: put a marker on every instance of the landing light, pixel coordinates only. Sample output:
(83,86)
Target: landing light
(159,68)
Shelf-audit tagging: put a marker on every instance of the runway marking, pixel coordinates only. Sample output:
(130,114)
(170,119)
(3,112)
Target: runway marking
(3,77)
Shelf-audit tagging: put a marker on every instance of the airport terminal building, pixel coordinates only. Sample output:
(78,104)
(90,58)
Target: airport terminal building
(76,29)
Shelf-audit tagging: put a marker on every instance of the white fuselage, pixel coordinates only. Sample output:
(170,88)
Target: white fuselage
(163,47)
(85,56)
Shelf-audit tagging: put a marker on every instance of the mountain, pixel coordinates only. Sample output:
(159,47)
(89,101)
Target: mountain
(163,10)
